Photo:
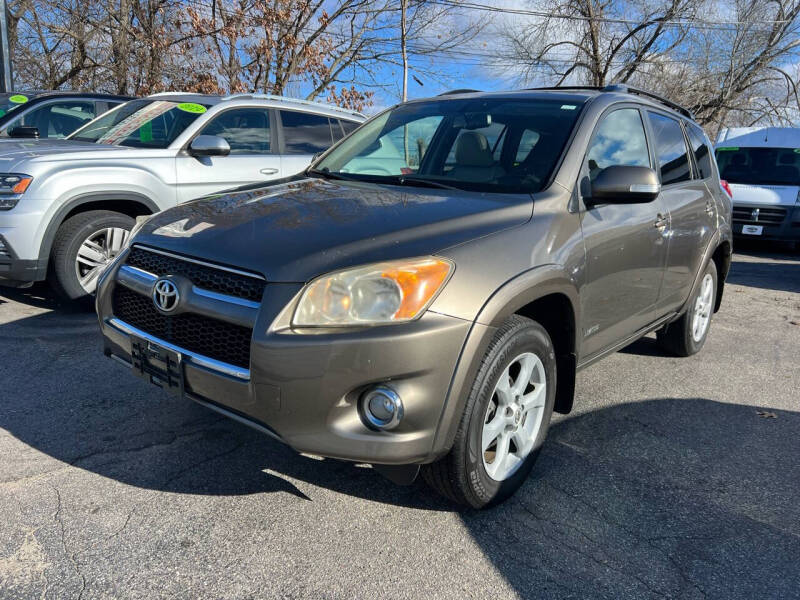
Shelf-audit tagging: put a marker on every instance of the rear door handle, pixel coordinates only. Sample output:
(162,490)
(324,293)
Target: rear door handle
(709,208)
(269,171)
(661,222)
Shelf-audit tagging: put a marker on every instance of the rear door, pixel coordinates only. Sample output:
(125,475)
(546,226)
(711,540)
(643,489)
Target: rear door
(250,132)
(626,246)
(689,202)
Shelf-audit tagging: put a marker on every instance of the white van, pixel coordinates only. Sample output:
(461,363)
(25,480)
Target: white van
(762,167)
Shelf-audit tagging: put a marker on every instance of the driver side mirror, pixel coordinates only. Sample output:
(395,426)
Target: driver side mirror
(209,145)
(24,131)
(620,184)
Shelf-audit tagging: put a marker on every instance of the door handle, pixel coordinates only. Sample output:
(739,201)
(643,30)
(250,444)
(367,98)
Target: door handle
(269,171)
(710,208)
(661,222)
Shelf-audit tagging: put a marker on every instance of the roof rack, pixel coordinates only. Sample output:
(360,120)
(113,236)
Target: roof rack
(624,89)
(293,101)
(458,91)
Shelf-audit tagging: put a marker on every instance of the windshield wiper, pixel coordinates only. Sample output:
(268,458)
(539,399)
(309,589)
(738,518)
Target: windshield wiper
(403,179)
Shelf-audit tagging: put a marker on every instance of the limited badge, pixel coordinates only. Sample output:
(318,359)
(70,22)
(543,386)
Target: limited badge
(192,107)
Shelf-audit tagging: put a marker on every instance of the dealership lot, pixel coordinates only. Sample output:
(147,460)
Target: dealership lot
(673,477)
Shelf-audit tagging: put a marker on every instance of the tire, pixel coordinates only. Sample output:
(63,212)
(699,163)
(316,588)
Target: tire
(680,337)
(463,475)
(69,239)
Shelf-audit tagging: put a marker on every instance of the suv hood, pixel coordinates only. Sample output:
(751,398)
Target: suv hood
(295,231)
(767,195)
(15,153)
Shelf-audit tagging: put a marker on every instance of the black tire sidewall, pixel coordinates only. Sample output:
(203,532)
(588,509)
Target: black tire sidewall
(694,346)
(69,239)
(530,337)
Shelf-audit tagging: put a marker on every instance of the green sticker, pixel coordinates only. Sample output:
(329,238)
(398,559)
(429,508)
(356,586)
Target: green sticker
(797,150)
(728,149)
(2,112)
(18,99)
(191,107)
(146,132)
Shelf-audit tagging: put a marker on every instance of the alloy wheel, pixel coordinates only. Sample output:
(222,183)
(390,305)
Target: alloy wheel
(514,416)
(96,252)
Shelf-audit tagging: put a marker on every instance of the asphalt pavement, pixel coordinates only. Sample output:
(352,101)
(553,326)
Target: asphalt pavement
(673,478)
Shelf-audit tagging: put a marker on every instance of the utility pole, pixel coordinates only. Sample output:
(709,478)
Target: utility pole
(404,54)
(6,79)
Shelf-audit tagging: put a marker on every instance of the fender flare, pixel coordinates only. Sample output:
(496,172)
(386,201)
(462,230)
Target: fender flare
(76,201)
(512,296)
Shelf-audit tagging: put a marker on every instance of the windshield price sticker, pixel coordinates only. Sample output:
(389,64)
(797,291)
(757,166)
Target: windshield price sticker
(728,149)
(191,107)
(18,99)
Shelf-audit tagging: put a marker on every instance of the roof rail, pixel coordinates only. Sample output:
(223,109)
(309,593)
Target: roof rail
(458,91)
(626,89)
(174,94)
(293,101)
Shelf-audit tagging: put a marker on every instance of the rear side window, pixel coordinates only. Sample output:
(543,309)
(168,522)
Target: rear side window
(618,140)
(702,154)
(671,152)
(305,133)
(348,126)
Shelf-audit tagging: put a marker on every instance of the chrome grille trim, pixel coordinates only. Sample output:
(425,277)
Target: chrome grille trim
(197,359)
(200,262)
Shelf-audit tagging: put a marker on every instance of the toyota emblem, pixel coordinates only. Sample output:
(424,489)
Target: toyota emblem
(165,295)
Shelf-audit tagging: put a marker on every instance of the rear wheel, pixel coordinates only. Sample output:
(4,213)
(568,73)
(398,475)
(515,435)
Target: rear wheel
(505,421)
(83,246)
(687,335)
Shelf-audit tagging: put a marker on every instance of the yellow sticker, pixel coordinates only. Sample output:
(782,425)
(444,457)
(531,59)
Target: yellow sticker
(18,99)
(191,107)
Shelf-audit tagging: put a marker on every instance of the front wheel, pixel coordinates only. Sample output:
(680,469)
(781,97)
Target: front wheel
(688,334)
(505,421)
(83,246)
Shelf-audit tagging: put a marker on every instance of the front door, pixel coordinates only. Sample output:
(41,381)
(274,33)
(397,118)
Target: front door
(626,244)
(249,133)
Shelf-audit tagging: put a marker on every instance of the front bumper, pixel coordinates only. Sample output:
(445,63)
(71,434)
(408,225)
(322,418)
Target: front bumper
(778,223)
(304,388)
(15,272)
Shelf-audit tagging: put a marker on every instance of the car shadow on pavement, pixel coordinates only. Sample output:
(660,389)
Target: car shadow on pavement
(661,497)
(769,276)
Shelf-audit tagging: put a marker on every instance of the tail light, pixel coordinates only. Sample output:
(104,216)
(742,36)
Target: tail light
(724,185)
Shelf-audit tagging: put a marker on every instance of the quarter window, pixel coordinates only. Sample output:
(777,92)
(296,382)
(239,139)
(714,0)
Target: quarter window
(618,140)
(702,155)
(673,157)
(245,129)
(305,133)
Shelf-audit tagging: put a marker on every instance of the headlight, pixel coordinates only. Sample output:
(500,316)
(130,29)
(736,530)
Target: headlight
(12,185)
(389,292)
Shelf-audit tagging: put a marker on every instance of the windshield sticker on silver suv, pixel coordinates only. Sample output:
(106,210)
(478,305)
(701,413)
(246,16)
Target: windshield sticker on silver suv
(18,99)
(191,107)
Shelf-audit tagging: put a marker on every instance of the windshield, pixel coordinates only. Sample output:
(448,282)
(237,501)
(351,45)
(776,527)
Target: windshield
(9,102)
(759,166)
(141,124)
(499,145)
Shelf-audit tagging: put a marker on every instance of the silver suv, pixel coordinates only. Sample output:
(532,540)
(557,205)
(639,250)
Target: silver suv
(67,206)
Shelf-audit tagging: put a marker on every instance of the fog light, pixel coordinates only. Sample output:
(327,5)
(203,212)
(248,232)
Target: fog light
(381,407)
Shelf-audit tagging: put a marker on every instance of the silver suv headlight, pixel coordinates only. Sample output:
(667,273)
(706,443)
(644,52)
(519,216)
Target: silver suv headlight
(381,293)
(12,186)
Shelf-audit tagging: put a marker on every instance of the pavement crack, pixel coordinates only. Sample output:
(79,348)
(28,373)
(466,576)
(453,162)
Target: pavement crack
(71,557)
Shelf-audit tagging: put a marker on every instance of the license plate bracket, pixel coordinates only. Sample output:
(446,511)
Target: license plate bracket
(158,365)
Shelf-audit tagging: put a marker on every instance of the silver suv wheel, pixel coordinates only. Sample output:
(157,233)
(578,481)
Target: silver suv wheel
(514,416)
(95,252)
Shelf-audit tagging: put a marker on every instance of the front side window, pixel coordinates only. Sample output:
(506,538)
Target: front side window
(245,129)
(485,144)
(702,154)
(759,166)
(619,140)
(305,133)
(141,124)
(57,119)
(671,152)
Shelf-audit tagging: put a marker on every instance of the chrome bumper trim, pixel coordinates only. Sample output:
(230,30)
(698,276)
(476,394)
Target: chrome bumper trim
(194,358)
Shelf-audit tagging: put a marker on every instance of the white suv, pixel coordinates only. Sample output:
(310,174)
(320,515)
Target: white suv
(67,207)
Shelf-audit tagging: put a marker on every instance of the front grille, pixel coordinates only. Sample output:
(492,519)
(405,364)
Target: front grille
(766,214)
(203,276)
(212,338)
